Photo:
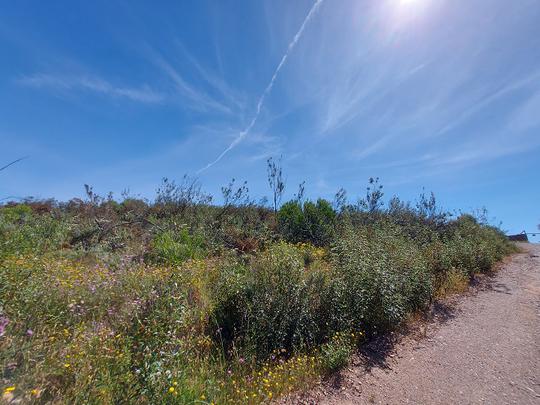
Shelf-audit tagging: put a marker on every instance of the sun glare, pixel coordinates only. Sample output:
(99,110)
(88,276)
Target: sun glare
(407,9)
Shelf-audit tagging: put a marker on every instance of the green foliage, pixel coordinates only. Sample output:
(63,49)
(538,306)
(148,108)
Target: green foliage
(170,247)
(307,222)
(21,231)
(379,277)
(336,353)
(277,304)
(16,213)
(474,248)
(291,221)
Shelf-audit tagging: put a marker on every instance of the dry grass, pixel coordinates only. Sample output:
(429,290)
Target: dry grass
(455,282)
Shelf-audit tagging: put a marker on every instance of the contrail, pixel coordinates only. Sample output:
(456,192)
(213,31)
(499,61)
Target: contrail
(268,88)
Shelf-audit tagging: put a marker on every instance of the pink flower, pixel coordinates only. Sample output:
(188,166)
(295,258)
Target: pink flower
(3,323)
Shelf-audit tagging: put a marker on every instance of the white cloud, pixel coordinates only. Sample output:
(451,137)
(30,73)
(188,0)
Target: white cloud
(143,94)
(216,82)
(198,99)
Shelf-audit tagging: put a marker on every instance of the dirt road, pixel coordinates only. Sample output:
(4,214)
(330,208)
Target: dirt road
(483,349)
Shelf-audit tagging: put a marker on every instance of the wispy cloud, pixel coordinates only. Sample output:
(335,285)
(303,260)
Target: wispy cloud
(268,88)
(198,99)
(482,103)
(527,115)
(143,94)
(217,83)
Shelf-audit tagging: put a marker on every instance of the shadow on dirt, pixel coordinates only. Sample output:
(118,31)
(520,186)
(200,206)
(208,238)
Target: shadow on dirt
(442,312)
(501,288)
(377,351)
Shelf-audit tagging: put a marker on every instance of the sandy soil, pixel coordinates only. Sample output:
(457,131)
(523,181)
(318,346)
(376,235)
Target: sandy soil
(483,347)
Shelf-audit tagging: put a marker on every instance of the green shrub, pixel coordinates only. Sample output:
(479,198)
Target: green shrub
(336,353)
(472,247)
(276,304)
(379,276)
(16,213)
(291,221)
(307,222)
(23,232)
(176,247)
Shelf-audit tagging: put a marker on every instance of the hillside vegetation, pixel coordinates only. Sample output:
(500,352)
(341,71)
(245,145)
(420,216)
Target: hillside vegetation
(183,301)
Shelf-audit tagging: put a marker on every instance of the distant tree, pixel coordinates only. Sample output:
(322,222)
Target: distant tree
(275,181)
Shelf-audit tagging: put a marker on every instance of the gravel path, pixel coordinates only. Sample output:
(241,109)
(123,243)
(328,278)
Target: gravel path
(485,348)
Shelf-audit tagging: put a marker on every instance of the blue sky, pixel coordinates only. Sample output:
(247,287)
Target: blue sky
(434,94)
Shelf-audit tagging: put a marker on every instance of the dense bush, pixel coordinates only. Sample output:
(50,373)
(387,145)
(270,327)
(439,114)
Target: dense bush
(379,276)
(275,303)
(307,222)
(473,248)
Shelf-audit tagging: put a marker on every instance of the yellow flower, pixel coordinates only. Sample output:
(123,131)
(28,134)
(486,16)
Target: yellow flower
(171,389)
(203,397)
(9,389)
(67,365)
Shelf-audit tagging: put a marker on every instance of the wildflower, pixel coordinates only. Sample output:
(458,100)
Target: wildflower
(29,332)
(203,397)
(171,389)
(9,389)
(67,365)
(3,323)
